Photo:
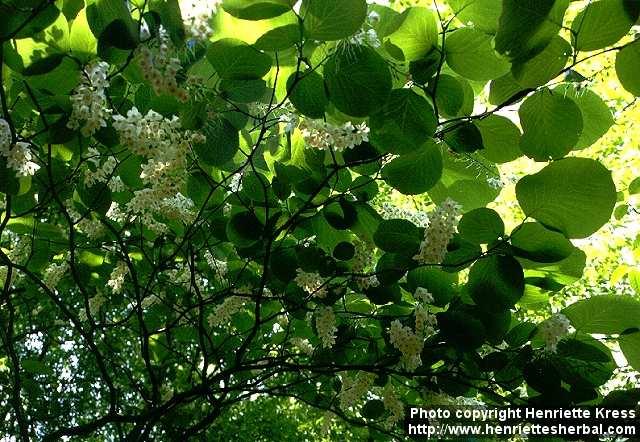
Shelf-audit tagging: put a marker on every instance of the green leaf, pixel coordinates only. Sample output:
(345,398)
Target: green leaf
(43,65)
(481,226)
(16,20)
(243,91)
(527,26)
(465,137)
(82,42)
(404,123)
(484,14)
(500,138)
(464,179)
(244,229)
(552,125)
(256,10)
(391,267)
(537,243)
(234,59)
(308,94)
(398,236)
(606,314)
(470,53)
(415,36)
(630,346)
(543,67)
(101,13)
(628,66)
(222,142)
(442,285)
(575,196)
(170,17)
(332,19)
(415,172)
(602,23)
(596,115)
(358,80)
(583,361)
(279,38)
(496,282)
(373,409)
(634,186)
(35,366)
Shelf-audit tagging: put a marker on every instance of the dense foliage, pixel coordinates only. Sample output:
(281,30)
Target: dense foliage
(194,217)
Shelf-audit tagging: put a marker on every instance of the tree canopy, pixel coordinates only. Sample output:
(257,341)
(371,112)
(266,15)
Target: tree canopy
(213,208)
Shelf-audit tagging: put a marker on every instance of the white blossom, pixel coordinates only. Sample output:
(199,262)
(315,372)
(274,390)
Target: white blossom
(393,405)
(326,326)
(196,15)
(311,283)
(117,277)
(223,312)
(354,388)
(53,274)
(442,226)
(89,100)
(553,330)
(19,158)
(321,135)
(217,265)
(409,344)
(303,345)
(5,134)
(159,66)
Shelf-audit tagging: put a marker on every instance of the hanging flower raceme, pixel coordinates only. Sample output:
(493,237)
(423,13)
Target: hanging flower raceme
(553,330)
(90,109)
(312,283)
(159,66)
(20,159)
(326,326)
(321,135)
(196,15)
(393,405)
(440,230)
(409,344)
(426,321)
(354,388)
(5,134)
(54,273)
(165,146)
(117,277)
(225,311)
(363,261)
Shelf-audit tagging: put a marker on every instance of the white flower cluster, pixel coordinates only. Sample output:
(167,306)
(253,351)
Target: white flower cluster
(326,326)
(219,266)
(321,135)
(54,273)
(159,67)
(196,15)
(553,330)
(425,320)
(103,172)
(303,345)
(362,260)
(354,388)
(367,37)
(311,283)
(393,405)
(442,226)
(391,211)
(409,344)
(165,146)
(225,311)
(117,277)
(5,134)
(19,158)
(89,100)
(86,224)
(95,304)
